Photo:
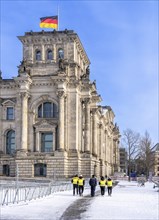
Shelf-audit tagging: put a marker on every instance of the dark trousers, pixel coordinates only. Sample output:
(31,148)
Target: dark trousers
(109,190)
(93,190)
(81,189)
(102,188)
(75,189)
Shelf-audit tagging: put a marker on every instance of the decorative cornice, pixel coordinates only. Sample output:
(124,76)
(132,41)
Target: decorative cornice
(42,84)
(8,84)
(24,82)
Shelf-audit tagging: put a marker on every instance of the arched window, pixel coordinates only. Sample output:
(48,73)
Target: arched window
(47,110)
(60,54)
(38,55)
(10,142)
(49,55)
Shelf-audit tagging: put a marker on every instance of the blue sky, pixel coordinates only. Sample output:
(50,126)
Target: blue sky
(120,39)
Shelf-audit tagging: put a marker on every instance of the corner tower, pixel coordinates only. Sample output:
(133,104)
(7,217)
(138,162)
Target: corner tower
(45,52)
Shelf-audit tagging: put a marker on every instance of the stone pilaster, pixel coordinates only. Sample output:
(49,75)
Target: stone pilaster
(66,124)
(24,142)
(37,146)
(87,125)
(94,133)
(61,96)
(105,145)
(100,141)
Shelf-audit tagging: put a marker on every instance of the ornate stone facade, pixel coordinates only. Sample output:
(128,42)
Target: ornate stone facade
(50,121)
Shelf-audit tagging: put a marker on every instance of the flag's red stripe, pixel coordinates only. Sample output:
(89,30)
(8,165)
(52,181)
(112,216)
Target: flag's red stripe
(49,20)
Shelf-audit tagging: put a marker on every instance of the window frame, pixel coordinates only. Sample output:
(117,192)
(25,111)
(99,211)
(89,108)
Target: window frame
(38,56)
(43,112)
(48,56)
(10,141)
(40,167)
(60,53)
(44,141)
(8,114)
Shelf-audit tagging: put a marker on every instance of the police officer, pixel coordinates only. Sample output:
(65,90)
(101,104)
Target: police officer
(75,184)
(81,183)
(102,184)
(109,186)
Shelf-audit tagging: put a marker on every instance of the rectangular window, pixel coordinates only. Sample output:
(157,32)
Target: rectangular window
(40,169)
(6,170)
(46,142)
(10,113)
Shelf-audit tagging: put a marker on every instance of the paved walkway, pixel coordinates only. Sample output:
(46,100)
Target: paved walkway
(75,210)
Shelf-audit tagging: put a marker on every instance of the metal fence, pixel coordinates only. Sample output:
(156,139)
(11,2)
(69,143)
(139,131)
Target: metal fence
(18,194)
(27,193)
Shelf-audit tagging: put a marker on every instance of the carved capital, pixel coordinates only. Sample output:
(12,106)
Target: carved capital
(25,95)
(94,111)
(85,101)
(99,125)
(61,94)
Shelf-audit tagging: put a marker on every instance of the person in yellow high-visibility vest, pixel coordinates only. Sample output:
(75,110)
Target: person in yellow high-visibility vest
(81,183)
(102,184)
(75,184)
(109,186)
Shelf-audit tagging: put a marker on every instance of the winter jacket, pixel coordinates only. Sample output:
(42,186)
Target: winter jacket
(93,182)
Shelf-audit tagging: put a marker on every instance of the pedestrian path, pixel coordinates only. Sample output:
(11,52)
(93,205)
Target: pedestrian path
(128,202)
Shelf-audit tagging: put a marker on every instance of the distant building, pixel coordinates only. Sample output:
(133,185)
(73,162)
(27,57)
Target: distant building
(156,159)
(123,159)
(51,124)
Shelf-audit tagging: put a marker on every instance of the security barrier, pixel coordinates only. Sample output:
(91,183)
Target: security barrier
(27,193)
(16,194)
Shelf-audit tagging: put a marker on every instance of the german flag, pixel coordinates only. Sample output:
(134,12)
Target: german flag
(49,22)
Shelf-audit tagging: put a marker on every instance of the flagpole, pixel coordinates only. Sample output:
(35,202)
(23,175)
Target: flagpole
(58,17)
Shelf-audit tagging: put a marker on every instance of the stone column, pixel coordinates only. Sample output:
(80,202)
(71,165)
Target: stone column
(65,124)
(37,142)
(94,133)
(87,125)
(24,137)
(105,145)
(100,141)
(61,96)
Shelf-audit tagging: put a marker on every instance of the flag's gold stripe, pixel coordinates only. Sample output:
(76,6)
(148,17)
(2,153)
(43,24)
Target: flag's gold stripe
(47,25)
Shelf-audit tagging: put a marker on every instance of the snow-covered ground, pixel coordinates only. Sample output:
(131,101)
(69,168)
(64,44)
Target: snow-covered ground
(128,202)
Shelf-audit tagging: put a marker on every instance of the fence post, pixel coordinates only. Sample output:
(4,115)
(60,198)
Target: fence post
(17,176)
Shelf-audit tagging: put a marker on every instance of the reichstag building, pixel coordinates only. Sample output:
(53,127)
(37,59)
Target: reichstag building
(51,120)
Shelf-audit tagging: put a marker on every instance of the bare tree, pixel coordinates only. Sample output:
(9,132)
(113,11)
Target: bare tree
(131,140)
(147,153)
